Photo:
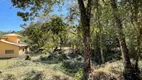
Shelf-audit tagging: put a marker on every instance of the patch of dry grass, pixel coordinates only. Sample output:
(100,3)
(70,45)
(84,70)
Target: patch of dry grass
(28,70)
(108,71)
(4,63)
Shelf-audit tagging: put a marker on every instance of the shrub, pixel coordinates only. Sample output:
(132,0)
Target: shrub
(42,58)
(30,75)
(35,75)
(78,75)
(10,77)
(71,63)
(59,78)
(71,66)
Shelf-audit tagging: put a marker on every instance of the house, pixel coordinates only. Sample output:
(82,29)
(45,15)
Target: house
(11,46)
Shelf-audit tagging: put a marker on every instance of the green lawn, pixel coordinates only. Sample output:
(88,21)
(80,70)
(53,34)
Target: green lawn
(4,63)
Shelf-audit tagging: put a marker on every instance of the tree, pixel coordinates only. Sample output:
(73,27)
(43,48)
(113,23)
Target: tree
(47,35)
(135,11)
(98,15)
(128,72)
(35,36)
(85,15)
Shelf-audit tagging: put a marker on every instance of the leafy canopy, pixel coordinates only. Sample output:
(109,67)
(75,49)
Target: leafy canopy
(32,8)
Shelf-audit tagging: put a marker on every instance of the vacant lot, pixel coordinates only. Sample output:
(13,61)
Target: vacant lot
(15,69)
(4,63)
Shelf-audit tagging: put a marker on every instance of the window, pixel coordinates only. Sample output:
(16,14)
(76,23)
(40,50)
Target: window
(9,51)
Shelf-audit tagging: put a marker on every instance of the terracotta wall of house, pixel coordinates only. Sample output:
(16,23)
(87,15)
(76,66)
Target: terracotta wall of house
(5,46)
(14,39)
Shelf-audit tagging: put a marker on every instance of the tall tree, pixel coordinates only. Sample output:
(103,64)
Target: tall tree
(135,6)
(128,71)
(98,15)
(85,16)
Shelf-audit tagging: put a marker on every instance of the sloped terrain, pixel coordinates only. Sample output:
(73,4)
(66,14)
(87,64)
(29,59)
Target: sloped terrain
(60,67)
(111,71)
(28,70)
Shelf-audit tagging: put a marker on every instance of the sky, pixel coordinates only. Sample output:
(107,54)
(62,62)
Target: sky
(9,21)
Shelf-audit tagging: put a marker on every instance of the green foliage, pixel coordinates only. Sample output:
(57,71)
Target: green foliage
(52,34)
(35,7)
(71,66)
(1,34)
(78,75)
(48,35)
(49,47)
(71,63)
(53,30)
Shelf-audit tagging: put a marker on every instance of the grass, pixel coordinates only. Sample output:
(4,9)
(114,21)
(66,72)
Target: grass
(56,66)
(50,67)
(14,69)
(43,67)
(27,70)
(4,63)
(113,69)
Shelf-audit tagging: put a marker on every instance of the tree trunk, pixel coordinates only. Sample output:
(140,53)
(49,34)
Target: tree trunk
(85,23)
(127,72)
(101,49)
(137,71)
(136,23)
(100,30)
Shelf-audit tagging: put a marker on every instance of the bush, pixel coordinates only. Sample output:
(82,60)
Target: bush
(10,77)
(30,75)
(78,75)
(42,58)
(71,66)
(34,75)
(59,78)
(71,63)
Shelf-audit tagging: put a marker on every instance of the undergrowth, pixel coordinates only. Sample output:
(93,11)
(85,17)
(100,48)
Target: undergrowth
(60,67)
